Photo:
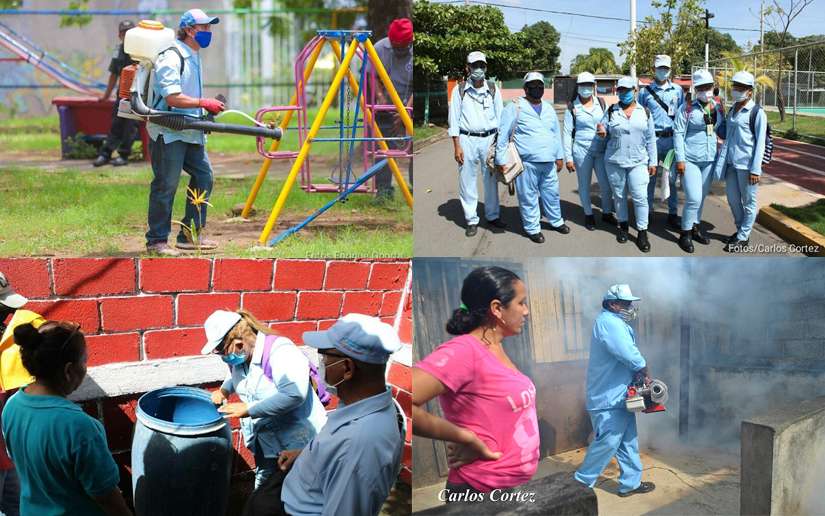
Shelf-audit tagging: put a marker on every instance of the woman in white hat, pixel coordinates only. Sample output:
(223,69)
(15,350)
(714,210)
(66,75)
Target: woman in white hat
(695,145)
(279,408)
(584,150)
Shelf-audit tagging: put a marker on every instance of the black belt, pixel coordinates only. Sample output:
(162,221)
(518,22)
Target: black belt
(480,135)
(665,133)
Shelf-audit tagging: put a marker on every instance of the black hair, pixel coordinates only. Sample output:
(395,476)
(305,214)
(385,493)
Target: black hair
(480,288)
(716,91)
(182,33)
(46,350)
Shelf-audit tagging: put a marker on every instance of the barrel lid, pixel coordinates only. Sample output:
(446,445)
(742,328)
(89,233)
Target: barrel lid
(151,25)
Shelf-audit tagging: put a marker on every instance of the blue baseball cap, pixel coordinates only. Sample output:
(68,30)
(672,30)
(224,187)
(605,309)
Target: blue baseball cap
(197,17)
(357,336)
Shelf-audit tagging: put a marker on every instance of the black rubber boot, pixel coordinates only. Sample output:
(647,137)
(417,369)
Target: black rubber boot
(644,487)
(642,242)
(537,238)
(673,221)
(610,219)
(698,236)
(621,237)
(590,222)
(685,241)
(471,230)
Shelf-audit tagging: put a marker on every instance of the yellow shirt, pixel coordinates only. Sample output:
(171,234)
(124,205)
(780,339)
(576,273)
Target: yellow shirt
(12,372)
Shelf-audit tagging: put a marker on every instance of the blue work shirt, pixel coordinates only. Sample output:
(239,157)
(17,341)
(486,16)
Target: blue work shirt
(586,138)
(167,81)
(630,141)
(741,149)
(673,97)
(691,140)
(537,136)
(614,358)
(285,412)
(349,468)
(60,453)
(478,112)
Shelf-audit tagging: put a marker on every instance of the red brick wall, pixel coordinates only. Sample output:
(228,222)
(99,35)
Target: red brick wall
(134,309)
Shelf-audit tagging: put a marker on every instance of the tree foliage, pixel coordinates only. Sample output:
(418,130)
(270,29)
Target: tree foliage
(597,61)
(543,39)
(446,33)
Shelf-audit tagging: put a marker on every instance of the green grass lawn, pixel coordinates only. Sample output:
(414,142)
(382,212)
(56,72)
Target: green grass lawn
(42,134)
(424,132)
(808,128)
(79,213)
(812,215)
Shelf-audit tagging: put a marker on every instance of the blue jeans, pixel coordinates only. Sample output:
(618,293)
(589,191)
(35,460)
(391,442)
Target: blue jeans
(615,436)
(636,180)
(537,188)
(742,200)
(168,159)
(9,493)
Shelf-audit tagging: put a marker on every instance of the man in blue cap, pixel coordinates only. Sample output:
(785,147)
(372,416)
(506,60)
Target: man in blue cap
(614,360)
(178,86)
(353,462)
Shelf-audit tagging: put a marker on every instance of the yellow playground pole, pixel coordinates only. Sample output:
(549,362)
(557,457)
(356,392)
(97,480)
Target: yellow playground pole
(368,118)
(264,170)
(385,79)
(313,131)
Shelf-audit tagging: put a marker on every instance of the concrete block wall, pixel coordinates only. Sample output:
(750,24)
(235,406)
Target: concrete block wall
(143,321)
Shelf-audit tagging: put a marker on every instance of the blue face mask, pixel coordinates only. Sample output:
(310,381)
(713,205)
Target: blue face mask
(626,97)
(662,74)
(234,359)
(585,92)
(203,38)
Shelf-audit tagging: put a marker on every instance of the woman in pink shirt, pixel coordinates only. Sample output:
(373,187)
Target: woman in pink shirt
(489,406)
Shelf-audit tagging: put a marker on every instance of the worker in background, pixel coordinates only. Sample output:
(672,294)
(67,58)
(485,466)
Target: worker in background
(534,126)
(630,158)
(396,54)
(178,85)
(475,112)
(584,149)
(124,131)
(740,158)
(663,98)
(614,360)
(695,144)
(353,462)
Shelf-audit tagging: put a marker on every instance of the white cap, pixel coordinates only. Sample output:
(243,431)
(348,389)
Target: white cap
(585,77)
(661,60)
(626,82)
(473,57)
(217,326)
(8,296)
(702,77)
(620,292)
(357,336)
(743,77)
(533,76)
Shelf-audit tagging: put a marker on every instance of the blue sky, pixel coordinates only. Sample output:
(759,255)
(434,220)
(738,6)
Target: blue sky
(579,34)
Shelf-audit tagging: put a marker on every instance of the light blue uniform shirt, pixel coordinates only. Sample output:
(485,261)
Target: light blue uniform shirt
(537,137)
(586,138)
(673,97)
(478,112)
(349,468)
(614,358)
(285,412)
(630,142)
(691,140)
(168,81)
(60,453)
(741,149)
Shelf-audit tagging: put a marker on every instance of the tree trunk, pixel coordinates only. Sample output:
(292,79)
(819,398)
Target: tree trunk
(380,13)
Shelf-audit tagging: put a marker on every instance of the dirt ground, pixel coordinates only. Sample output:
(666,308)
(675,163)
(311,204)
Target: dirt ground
(695,482)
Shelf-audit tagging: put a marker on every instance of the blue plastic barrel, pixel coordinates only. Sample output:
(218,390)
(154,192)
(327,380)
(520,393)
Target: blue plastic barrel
(181,454)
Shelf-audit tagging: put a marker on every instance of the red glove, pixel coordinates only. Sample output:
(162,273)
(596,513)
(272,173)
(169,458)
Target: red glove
(214,106)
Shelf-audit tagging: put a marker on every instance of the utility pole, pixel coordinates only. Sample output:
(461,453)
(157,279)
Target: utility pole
(761,45)
(633,37)
(708,16)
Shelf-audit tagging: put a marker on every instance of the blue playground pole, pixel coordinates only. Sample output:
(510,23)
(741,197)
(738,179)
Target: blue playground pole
(341,196)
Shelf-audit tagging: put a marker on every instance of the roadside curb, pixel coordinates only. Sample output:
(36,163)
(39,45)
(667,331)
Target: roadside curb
(791,231)
(426,142)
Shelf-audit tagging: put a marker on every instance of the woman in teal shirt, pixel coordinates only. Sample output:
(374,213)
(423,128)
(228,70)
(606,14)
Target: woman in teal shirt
(60,452)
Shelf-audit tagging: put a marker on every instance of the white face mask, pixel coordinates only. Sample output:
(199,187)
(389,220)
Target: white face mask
(739,95)
(702,96)
(322,372)
(585,92)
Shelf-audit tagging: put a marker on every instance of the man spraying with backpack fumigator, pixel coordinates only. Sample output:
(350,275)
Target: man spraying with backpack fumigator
(747,147)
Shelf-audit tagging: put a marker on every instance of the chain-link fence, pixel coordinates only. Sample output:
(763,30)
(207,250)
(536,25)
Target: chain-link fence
(790,84)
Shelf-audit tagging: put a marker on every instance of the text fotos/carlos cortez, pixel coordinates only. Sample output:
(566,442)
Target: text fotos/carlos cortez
(496,495)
